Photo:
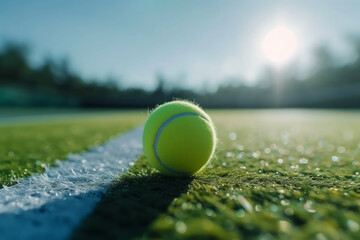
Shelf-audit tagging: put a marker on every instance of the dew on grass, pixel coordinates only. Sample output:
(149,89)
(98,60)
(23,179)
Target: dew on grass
(180,227)
(303,160)
(267,150)
(320,236)
(243,167)
(230,154)
(240,147)
(284,226)
(335,158)
(232,136)
(224,164)
(317,169)
(83,161)
(209,212)
(285,202)
(294,166)
(356,173)
(352,225)
(309,206)
(276,172)
(168,219)
(240,213)
(274,208)
(240,155)
(256,154)
(131,163)
(280,160)
(264,164)
(258,208)
(282,151)
(341,149)
(246,205)
(11,154)
(291,158)
(184,205)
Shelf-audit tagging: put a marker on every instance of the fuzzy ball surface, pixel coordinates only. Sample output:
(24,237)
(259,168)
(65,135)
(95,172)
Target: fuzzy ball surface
(179,138)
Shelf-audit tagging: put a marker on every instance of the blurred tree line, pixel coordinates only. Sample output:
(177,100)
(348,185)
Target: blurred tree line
(54,84)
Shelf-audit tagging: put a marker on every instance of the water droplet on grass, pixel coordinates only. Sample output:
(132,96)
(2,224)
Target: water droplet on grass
(352,225)
(308,206)
(240,213)
(321,236)
(246,205)
(256,154)
(209,212)
(284,226)
(240,147)
(274,208)
(180,227)
(303,161)
(232,136)
(341,149)
(280,160)
(258,208)
(334,158)
(230,154)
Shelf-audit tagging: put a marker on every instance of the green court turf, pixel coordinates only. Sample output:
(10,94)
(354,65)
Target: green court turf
(277,174)
(27,148)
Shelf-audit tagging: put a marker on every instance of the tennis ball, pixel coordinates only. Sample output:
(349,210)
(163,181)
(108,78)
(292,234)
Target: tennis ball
(179,138)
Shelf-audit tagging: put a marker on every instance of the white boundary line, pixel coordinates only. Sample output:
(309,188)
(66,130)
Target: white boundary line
(52,204)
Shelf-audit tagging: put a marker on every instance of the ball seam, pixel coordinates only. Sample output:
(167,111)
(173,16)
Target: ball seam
(157,137)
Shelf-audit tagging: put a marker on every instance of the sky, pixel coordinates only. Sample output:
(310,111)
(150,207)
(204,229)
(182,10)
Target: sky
(193,43)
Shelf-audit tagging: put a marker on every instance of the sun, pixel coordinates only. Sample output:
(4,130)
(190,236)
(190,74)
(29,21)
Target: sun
(279,45)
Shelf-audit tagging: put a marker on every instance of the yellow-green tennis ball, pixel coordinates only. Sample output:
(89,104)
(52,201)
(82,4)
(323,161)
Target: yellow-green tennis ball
(179,138)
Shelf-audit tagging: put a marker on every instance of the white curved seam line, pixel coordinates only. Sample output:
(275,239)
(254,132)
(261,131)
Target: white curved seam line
(158,136)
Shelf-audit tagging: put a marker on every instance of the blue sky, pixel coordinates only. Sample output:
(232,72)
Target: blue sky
(201,42)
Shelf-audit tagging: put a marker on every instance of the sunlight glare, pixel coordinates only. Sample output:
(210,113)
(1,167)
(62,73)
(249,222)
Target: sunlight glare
(279,45)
